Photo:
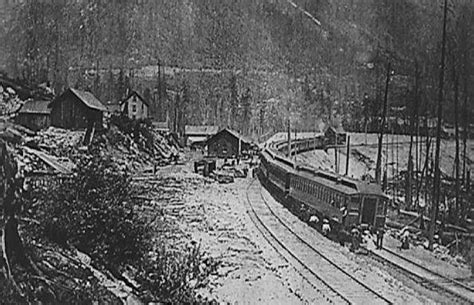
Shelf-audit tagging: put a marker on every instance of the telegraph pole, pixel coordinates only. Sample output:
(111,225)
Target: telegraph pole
(437,174)
(289,139)
(348,154)
(378,176)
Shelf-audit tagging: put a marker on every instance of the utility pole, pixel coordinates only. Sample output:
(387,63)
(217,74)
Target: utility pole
(335,155)
(437,174)
(159,86)
(408,192)
(348,154)
(378,176)
(289,139)
(456,130)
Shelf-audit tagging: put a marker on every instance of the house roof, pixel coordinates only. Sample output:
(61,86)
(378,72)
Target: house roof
(36,107)
(233,133)
(135,93)
(338,129)
(207,130)
(88,99)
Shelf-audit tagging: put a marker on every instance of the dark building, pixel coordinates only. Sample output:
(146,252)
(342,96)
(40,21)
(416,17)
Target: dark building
(335,135)
(228,143)
(34,115)
(76,109)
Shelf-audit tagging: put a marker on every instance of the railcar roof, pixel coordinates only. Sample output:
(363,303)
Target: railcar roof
(342,184)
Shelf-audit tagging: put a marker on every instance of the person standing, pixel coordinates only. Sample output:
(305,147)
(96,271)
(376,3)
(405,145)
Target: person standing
(355,239)
(326,227)
(343,211)
(405,237)
(380,233)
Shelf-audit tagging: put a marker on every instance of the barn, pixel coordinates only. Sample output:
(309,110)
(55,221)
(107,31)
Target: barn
(34,115)
(135,106)
(76,109)
(228,143)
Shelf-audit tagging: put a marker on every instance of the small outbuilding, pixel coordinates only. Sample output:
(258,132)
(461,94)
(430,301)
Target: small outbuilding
(161,126)
(76,109)
(34,115)
(197,136)
(135,106)
(335,135)
(228,143)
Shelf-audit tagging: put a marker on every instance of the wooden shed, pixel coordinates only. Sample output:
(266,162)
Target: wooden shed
(76,109)
(135,106)
(34,115)
(228,143)
(335,135)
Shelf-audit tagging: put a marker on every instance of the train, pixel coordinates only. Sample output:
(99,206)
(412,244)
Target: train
(345,202)
(300,145)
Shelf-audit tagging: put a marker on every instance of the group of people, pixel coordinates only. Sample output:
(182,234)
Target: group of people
(356,234)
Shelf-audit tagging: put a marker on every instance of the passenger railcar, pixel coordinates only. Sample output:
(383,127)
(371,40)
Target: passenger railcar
(323,193)
(300,145)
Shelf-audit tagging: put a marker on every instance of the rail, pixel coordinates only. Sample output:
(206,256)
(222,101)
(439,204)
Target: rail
(344,277)
(441,283)
(265,231)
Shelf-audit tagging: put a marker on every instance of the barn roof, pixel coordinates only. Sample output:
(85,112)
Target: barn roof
(36,107)
(237,135)
(135,93)
(88,99)
(207,130)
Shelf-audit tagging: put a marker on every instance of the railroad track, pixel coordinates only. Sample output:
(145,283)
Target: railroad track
(332,281)
(459,292)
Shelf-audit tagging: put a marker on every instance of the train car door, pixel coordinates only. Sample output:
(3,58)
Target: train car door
(368,210)
(353,211)
(287,182)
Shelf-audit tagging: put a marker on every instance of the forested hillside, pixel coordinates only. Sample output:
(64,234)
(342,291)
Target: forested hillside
(250,64)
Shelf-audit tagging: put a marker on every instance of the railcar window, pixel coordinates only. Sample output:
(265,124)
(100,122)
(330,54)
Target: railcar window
(354,203)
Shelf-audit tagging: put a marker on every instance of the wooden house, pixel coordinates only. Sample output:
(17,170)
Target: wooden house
(335,136)
(228,143)
(135,106)
(34,115)
(76,109)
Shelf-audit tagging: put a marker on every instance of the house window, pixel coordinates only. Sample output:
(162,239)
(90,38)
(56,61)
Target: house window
(134,108)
